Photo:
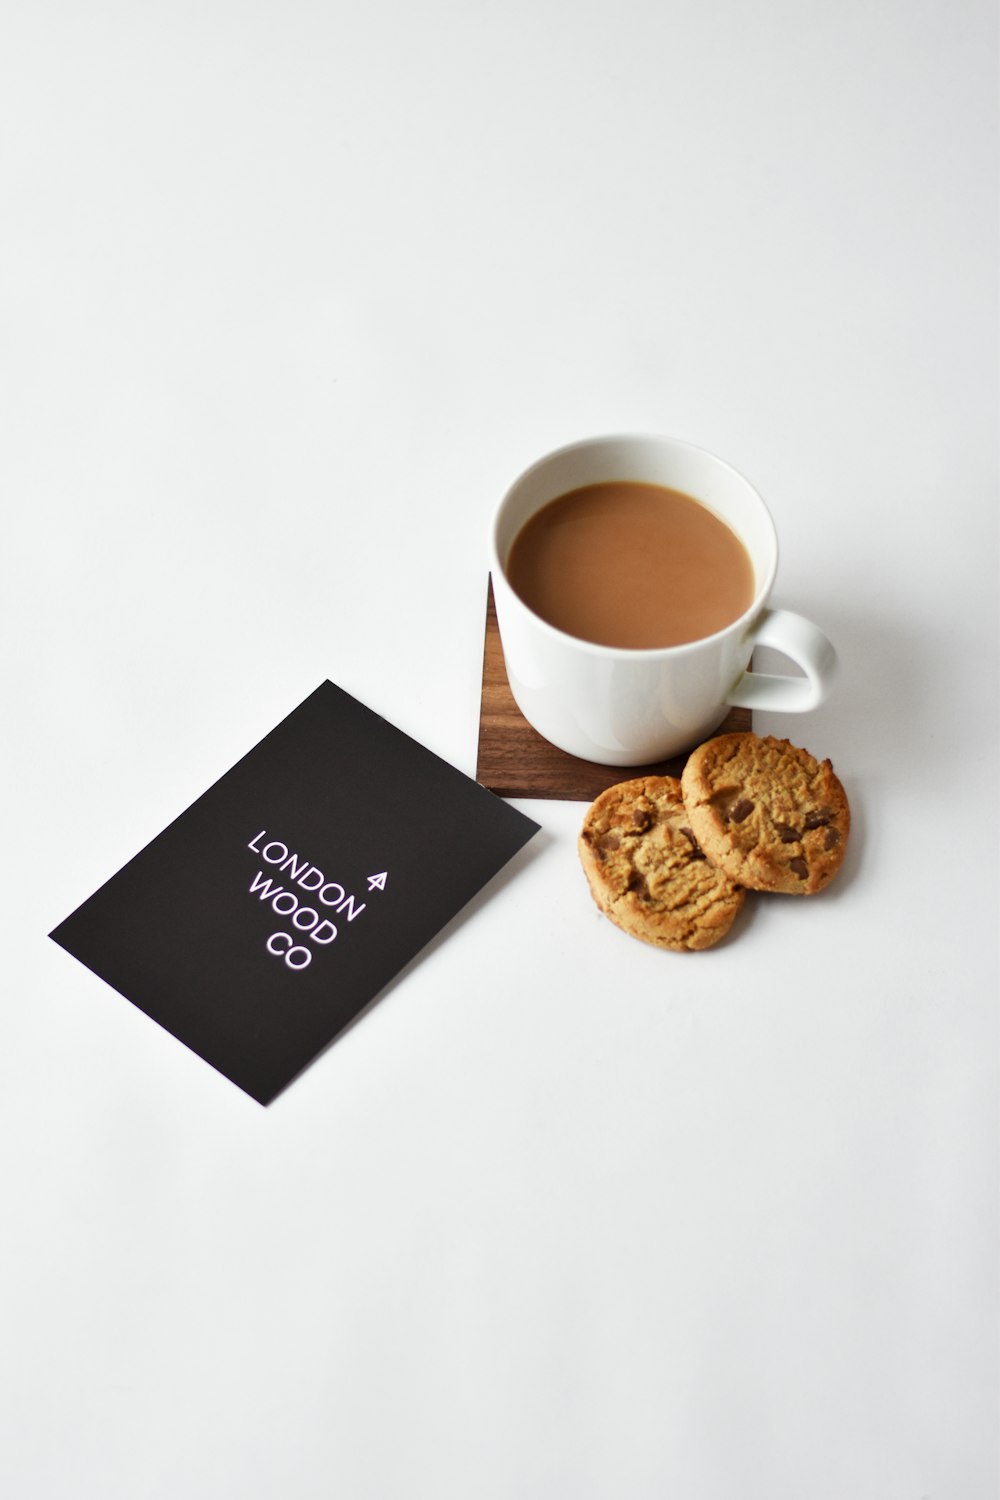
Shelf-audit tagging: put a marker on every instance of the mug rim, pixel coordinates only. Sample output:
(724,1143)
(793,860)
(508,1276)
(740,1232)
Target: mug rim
(635,653)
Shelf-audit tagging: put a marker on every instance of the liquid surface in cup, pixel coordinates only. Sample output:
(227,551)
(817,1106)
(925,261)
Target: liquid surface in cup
(631,565)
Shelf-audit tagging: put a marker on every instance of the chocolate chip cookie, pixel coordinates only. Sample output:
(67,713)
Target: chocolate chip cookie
(767,813)
(647,872)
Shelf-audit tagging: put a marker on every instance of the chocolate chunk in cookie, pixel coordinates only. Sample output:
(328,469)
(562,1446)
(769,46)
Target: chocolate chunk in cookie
(767,813)
(646,869)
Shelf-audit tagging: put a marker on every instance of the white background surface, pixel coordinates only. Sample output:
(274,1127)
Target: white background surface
(290,293)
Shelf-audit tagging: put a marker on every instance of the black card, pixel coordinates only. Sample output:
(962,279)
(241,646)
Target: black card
(262,920)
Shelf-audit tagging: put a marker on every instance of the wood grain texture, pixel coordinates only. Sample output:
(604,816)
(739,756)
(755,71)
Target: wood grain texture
(515,761)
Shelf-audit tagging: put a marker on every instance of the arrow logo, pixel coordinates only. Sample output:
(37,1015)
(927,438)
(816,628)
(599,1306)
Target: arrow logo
(377,882)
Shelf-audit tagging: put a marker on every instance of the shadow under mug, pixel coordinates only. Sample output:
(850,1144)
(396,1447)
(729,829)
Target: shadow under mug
(627,707)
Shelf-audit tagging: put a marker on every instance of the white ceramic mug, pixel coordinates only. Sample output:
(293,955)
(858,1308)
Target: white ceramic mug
(627,707)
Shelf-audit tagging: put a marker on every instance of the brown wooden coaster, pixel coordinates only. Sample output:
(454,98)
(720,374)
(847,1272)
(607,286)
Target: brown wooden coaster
(515,761)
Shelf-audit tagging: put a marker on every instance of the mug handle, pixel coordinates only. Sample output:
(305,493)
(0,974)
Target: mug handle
(807,646)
